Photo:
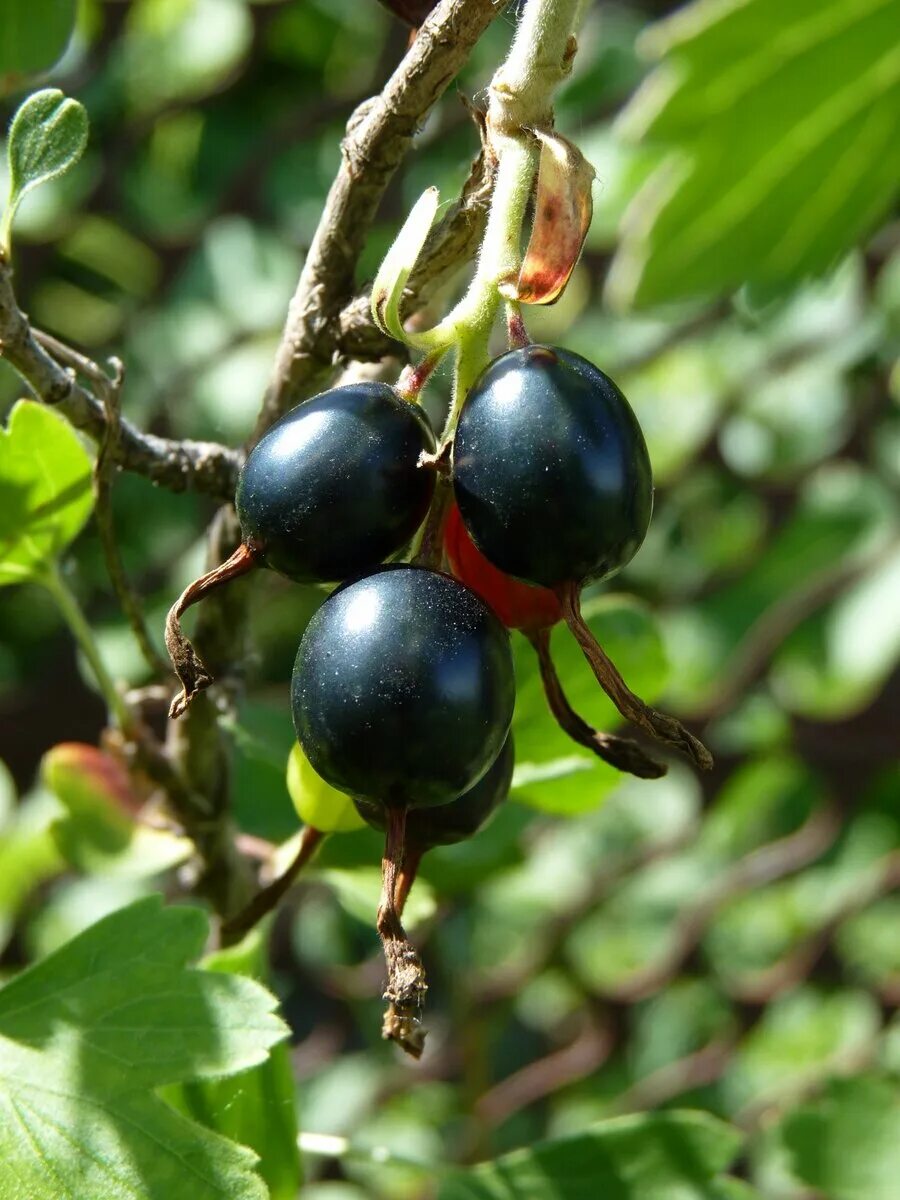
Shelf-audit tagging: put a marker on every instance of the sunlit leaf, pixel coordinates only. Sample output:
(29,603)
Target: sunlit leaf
(35,33)
(94,1029)
(45,489)
(846,1145)
(654,1156)
(47,136)
(778,124)
(256,1108)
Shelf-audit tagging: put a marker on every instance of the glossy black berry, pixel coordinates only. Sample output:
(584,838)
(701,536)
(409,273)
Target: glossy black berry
(447,824)
(333,488)
(403,688)
(550,468)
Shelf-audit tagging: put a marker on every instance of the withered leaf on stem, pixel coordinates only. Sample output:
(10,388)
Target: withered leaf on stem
(562,214)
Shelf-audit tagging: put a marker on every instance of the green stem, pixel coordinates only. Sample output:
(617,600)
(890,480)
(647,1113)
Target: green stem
(71,611)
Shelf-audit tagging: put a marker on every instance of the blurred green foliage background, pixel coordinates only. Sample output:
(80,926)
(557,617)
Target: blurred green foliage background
(730,943)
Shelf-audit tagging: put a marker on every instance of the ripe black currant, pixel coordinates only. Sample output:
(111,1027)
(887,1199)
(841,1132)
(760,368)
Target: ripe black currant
(552,478)
(550,468)
(454,822)
(403,688)
(331,490)
(334,487)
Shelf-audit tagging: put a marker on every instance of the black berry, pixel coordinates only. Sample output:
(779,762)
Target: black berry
(550,468)
(461,818)
(333,488)
(403,688)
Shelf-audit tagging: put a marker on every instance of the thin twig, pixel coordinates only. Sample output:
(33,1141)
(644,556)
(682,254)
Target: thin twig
(175,464)
(378,135)
(105,470)
(774,861)
(582,1057)
(268,899)
(406,987)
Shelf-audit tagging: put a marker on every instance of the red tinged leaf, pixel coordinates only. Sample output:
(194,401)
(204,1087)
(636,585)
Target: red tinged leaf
(518,605)
(562,216)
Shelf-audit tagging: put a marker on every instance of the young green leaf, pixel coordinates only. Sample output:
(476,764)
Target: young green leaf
(387,290)
(45,490)
(48,135)
(653,1156)
(89,1033)
(35,33)
(777,127)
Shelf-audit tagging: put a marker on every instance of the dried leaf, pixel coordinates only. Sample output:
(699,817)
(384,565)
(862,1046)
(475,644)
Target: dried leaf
(562,216)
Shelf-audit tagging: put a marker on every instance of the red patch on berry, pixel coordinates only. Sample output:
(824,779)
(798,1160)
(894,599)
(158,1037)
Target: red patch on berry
(518,605)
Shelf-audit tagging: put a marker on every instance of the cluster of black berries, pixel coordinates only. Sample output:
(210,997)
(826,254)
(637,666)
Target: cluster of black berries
(403,687)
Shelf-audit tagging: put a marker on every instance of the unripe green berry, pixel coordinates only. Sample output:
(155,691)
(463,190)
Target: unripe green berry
(317,803)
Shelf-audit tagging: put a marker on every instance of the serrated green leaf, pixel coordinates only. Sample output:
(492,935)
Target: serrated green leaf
(653,1156)
(847,1144)
(387,290)
(257,1108)
(47,136)
(85,1037)
(35,33)
(778,126)
(45,489)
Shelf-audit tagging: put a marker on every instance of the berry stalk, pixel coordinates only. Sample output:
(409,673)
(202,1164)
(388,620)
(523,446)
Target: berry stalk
(659,725)
(406,986)
(189,667)
(621,753)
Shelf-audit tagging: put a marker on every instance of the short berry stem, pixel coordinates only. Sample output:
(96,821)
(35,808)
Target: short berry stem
(621,753)
(664,728)
(406,876)
(413,378)
(516,332)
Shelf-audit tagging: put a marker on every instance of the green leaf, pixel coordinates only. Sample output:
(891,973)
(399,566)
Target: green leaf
(85,1037)
(35,33)
(45,490)
(837,665)
(652,1156)
(802,1038)
(847,1144)
(777,126)
(28,855)
(358,892)
(48,135)
(256,1109)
